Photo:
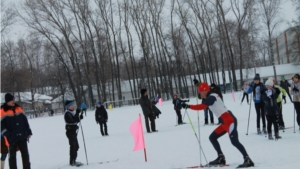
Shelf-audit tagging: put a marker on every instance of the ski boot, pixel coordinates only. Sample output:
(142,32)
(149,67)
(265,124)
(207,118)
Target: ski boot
(217,162)
(265,131)
(281,128)
(247,163)
(258,131)
(270,137)
(206,121)
(277,136)
(75,163)
(212,121)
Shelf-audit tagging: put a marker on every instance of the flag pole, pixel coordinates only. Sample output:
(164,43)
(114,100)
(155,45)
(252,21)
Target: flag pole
(145,154)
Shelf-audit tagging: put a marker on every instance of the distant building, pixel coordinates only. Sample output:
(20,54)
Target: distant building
(286,45)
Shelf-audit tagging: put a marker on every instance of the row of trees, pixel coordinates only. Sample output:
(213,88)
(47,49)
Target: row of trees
(93,46)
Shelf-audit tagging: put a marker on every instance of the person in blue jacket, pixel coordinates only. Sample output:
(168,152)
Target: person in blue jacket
(83,108)
(256,88)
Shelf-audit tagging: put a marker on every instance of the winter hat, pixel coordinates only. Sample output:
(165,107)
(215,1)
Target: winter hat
(213,85)
(175,94)
(143,91)
(283,78)
(99,103)
(196,82)
(297,76)
(69,103)
(269,82)
(256,77)
(245,83)
(203,87)
(271,78)
(8,97)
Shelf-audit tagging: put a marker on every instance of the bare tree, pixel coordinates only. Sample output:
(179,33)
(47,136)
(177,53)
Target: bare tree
(8,16)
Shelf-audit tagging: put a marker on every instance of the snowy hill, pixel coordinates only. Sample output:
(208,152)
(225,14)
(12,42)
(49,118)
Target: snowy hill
(172,147)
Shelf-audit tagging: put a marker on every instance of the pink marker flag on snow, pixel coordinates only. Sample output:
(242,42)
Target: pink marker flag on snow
(232,93)
(136,130)
(160,101)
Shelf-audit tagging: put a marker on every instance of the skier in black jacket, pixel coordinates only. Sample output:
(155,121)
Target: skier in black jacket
(285,85)
(177,107)
(101,118)
(72,119)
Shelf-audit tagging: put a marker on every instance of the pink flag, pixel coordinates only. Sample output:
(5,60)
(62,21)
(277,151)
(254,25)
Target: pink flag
(160,101)
(232,93)
(136,130)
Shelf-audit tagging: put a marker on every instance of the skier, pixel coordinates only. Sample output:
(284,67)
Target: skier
(281,125)
(295,88)
(177,107)
(101,118)
(83,108)
(256,88)
(72,119)
(285,85)
(269,96)
(245,88)
(228,125)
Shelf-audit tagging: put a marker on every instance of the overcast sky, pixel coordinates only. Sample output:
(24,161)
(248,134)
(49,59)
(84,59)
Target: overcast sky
(288,14)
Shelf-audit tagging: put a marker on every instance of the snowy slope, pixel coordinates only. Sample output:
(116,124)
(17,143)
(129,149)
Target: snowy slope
(171,147)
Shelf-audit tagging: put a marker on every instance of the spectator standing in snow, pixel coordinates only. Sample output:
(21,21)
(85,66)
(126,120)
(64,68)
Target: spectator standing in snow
(83,108)
(149,115)
(245,89)
(177,107)
(257,88)
(285,85)
(72,119)
(16,131)
(295,88)
(269,96)
(101,118)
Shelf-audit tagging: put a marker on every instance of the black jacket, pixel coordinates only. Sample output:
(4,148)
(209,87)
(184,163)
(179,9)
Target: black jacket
(285,85)
(14,123)
(146,105)
(217,90)
(177,103)
(101,114)
(71,120)
(270,102)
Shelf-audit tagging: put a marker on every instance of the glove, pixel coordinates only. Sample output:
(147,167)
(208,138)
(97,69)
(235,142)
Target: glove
(78,110)
(295,89)
(185,106)
(97,122)
(188,100)
(196,82)
(81,116)
(283,97)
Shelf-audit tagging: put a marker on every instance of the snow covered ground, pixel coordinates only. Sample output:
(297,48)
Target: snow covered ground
(172,147)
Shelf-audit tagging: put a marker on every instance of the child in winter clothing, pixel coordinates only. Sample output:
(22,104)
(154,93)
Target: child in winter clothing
(256,88)
(279,103)
(245,88)
(269,96)
(295,88)
(101,118)
(155,109)
(177,107)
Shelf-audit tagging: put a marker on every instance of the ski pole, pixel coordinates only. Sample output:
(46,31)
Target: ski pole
(200,147)
(199,130)
(87,163)
(249,114)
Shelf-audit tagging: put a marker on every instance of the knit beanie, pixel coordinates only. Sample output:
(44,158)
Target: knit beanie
(8,97)
(256,77)
(269,82)
(69,103)
(143,91)
(99,103)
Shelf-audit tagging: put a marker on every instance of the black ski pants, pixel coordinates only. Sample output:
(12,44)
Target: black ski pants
(152,121)
(12,159)
(228,125)
(297,108)
(179,116)
(103,125)
(245,94)
(280,117)
(260,113)
(288,93)
(73,142)
(272,119)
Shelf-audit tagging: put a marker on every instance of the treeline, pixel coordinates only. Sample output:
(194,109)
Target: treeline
(89,46)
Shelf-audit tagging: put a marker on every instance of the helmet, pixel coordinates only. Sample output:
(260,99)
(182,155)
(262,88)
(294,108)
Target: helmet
(203,87)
